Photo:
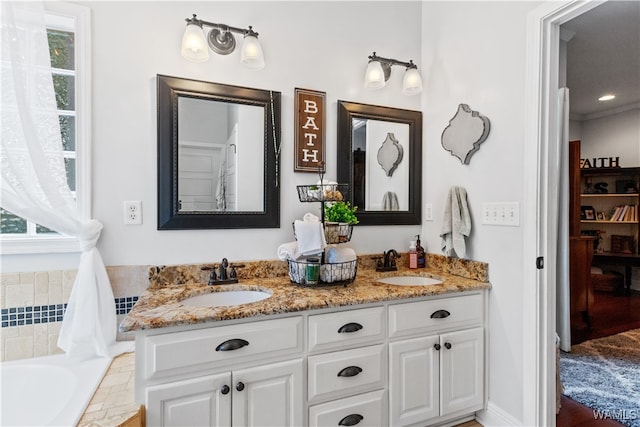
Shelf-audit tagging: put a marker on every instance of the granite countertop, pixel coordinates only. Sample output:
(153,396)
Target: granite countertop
(159,306)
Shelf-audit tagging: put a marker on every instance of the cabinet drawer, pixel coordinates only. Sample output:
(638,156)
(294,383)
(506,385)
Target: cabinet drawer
(346,328)
(346,372)
(436,314)
(184,352)
(366,409)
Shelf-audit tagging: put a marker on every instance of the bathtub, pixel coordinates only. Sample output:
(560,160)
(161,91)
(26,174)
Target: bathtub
(48,391)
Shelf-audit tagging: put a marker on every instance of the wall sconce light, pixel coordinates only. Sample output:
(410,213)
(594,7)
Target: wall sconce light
(379,70)
(221,40)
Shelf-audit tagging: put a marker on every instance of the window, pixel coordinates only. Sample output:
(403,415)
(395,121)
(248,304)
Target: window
(68,35)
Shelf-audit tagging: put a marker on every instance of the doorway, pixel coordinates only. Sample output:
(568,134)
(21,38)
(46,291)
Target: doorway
(541,198)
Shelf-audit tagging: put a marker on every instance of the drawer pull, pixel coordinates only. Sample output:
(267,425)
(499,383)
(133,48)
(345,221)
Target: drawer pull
(351,420)
(440,314)
(350,371)
(225,389)
(240,386)
(437,347)
(233,344)
(349,327)
(447,345)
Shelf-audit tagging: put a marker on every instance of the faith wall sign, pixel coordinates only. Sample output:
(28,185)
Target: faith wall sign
(309,135)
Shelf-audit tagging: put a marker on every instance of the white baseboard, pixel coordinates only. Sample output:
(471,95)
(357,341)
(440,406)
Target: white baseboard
(496,416)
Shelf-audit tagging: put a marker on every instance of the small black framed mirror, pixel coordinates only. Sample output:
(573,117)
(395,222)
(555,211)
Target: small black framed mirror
(217,161)
(380,157)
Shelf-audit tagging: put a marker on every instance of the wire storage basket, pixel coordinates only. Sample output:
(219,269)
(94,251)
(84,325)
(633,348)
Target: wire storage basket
(322,193)
(334,232)
(330,274)
(337,232)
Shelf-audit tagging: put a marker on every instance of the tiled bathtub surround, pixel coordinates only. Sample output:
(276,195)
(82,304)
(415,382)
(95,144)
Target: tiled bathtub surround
(20,316)
(35,301)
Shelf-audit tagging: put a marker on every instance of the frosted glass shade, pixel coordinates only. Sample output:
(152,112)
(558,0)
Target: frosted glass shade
(412,82)
(374,77)
(194,45)
(251,55)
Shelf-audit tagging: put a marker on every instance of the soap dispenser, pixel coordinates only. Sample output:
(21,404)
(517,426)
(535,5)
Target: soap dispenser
(413,255)
(422,259)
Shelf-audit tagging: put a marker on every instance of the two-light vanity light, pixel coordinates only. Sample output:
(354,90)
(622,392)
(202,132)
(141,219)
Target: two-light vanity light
(221,40)
(379,70)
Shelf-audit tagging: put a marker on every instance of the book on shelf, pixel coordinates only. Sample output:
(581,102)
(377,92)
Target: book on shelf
(625,213)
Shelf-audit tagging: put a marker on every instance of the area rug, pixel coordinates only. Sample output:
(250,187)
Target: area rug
(604,374)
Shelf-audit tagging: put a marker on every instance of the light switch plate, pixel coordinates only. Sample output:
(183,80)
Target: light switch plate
(428,212)
(502,213)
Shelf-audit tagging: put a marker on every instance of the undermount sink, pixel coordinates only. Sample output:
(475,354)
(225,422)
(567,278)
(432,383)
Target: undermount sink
(225,298)
(410,281)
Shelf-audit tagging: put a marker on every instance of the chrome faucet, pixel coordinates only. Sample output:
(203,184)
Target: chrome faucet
(389,261)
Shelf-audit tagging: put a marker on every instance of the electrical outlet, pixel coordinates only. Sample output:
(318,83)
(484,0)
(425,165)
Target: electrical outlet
(133,212)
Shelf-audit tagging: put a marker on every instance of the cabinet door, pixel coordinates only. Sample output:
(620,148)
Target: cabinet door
(462,371)
(270,395)
(414,378)
(196,402)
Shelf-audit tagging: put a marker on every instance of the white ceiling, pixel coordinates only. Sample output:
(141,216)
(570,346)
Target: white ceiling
(604,57)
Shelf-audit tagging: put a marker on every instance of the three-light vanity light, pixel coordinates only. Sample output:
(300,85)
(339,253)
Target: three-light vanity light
(379,70)
(220,40)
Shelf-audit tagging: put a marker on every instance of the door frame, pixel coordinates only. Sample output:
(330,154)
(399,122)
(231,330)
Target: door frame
(540,198)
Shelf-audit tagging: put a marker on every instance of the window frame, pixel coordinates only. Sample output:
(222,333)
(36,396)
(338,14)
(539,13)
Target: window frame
(77,19)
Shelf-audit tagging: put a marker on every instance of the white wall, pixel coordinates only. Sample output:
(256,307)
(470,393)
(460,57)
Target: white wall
(313,45)
(475,53)
(616,135)
(468,52)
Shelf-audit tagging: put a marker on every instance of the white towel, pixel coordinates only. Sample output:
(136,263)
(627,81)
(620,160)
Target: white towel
(288,251)
(310,237)
(338,255)
(456,223)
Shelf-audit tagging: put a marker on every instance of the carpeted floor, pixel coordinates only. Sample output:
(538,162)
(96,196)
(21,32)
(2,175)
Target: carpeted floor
(604,374)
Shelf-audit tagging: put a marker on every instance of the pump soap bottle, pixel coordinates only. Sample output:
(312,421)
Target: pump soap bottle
(413,255)
(422,259)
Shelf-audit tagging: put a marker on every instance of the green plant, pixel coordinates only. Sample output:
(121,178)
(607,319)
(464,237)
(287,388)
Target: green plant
(340,212)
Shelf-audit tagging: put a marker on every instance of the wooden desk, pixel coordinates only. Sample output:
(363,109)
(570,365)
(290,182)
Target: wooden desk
(626,260)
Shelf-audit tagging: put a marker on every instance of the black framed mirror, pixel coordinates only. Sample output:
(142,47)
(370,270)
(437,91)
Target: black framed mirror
(217,158)
(380,157)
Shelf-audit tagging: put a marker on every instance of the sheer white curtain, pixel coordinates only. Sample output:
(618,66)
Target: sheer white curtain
(34,182)
(563,325)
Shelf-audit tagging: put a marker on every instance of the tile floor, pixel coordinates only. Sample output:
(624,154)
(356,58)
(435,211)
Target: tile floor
(113,402)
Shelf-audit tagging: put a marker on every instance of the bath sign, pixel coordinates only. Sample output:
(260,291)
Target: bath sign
(309,134)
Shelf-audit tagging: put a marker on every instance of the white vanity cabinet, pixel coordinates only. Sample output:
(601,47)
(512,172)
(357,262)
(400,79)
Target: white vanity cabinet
(347,387)
(269,395)
(412,362)
(436,369)
(220,376)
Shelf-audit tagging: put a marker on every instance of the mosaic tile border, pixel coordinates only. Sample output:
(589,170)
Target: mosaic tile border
(33,315)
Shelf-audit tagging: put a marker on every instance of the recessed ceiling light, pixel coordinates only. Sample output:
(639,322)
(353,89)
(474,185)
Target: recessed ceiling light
(606,97)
